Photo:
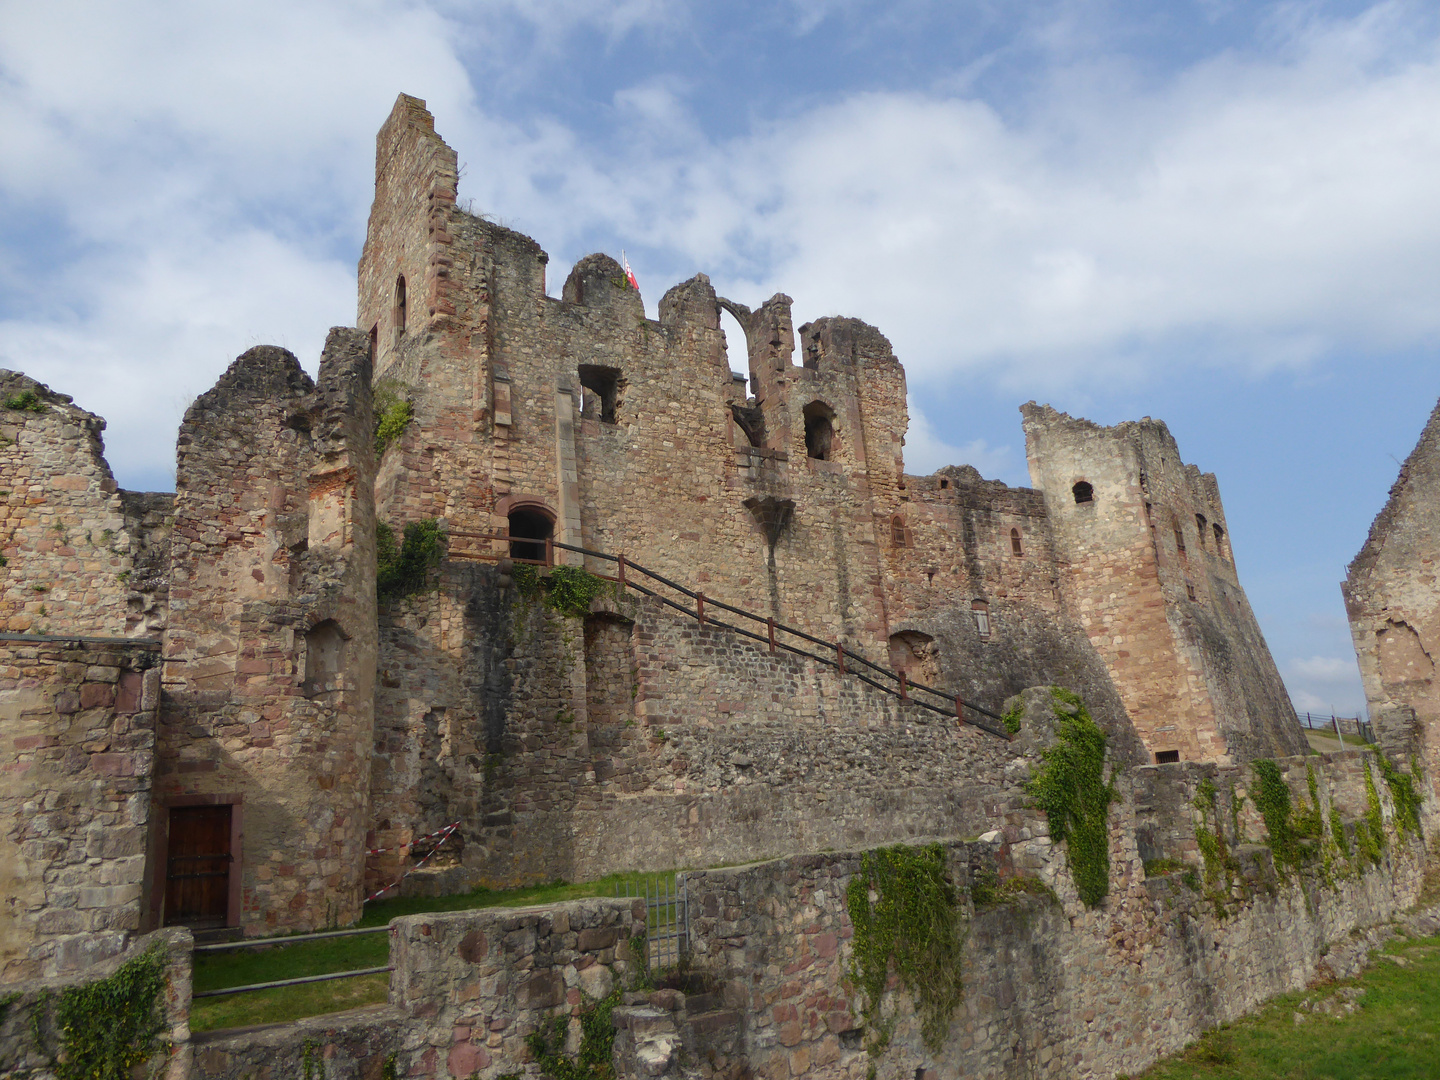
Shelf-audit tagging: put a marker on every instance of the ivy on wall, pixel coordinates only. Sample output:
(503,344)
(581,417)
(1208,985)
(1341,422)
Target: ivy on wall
(393,413)
(566,590)
(404,568)
(593,1061)
(1070,786)
(107,1027)
(906,916)
(1403,793)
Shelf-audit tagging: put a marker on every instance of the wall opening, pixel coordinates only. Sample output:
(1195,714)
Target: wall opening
(1190,591)
(1016,548)
(750,419)
(917,655)
(1201,526)
(1219,540)
(530,527)
(374,340)
(819,431)
(1167,757)
(944,484)
(401,307)
(737,348)
(899,534)
(324,658)
(600,393)
(202,863)
(1083,491)
(981,610)
(1179,536)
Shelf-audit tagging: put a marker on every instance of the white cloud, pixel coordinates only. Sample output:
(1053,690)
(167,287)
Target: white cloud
(926,451)
(1325,668)
(1325,685)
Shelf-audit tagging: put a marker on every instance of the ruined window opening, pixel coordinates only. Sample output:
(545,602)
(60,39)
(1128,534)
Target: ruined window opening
(1083,492)
(1190,590)
(401,307)
(981,610)
(751,420)
(1015,547)
(1179,536)
(1200,527)
(1219,540)
(374,340)
(899,534)
(944,484)
(1167,757)
(324,658)
(529,529)
(600,393)
(819,431)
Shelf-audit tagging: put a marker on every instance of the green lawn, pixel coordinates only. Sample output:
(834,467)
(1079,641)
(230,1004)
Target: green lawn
(215,971)
(1392,1033)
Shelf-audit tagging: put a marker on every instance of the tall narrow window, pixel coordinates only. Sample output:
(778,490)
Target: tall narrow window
(899,534)
(1015,547)
(1201,526)
(324,658)
(981,611)
(401,306)
(1190,590)
(1179,537)
(1219,541)
(819,431)
(1083,492)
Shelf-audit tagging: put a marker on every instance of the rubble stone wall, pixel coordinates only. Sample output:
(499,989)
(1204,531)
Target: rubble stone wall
(1393,603)
(77,738)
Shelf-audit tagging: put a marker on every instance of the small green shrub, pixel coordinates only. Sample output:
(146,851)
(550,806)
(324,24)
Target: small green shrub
(393,413)
(1071,787)
(566,590)
(597,1043)
(404,568)
(1012,716)
(25,401)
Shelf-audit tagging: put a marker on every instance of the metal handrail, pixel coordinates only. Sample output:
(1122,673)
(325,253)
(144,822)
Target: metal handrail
(292,982)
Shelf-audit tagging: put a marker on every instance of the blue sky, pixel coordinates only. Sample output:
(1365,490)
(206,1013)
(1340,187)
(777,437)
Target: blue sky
(1220,214)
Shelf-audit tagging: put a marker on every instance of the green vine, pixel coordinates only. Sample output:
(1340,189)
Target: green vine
(309,1062)
(1287,827)
(404,568)
(1370,833)
(393,413)
(109,1026)
(912,924)
(1012,716)
(597,1043)
(1337,833)
(1403,794)
(1210,838)
(1070,786)
(566,590)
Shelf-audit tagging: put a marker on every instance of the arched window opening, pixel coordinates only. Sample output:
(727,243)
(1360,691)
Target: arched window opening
(1083,492)
(819,431)
(1167,757)
(981,610)
(750,419)
(401,307)
(324,658)
(1219,540)
(899,534)
(1201,525)
(599,393)
(1015,547)
(529,529)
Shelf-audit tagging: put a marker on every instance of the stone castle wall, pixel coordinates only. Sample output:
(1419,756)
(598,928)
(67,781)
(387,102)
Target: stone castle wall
(1150,574)
(1394,608)
(271,641)
(77,742)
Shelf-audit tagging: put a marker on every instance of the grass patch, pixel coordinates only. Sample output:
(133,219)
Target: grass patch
(1394,1032)
(216,971)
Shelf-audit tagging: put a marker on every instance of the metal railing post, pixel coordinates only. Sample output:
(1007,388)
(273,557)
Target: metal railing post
(700,607)
(840,656)
(904,697)
(770,625)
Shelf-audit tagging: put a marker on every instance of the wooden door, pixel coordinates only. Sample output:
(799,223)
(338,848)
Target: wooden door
(197,867)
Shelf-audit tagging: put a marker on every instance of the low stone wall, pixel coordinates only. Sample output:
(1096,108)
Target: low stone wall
(30,1040)
(77,738)
(1053,988)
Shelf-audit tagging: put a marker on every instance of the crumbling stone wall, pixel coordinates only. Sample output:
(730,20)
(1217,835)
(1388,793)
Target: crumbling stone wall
(67,546)
(77,738)
(1394,608)
(271,641)
(1151,576)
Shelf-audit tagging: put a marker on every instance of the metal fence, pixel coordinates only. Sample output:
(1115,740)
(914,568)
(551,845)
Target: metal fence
(494,546)
(281,942)
(667,923)
(1342,727)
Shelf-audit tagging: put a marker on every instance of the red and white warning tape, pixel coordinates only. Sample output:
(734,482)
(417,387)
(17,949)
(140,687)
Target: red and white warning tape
(412,843)
(443,834)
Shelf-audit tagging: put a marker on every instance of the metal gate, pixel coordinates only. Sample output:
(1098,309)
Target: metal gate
(667,926)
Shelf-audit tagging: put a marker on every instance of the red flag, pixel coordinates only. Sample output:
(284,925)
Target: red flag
(629,274)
